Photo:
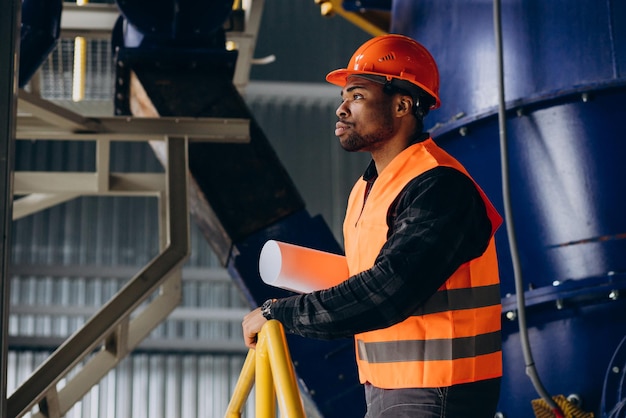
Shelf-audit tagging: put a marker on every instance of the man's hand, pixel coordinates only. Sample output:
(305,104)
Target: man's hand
(252,324)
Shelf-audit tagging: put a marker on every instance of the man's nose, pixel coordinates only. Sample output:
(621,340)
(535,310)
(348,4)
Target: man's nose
(342,110)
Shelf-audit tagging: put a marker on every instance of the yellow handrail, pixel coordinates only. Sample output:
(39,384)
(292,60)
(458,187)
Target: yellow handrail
(373,22)
(268,367)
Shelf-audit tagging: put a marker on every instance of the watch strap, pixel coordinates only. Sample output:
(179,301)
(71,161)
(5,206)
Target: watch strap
(266,309)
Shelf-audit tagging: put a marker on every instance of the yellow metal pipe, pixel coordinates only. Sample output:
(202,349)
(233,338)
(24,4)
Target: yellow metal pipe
(289,400)
(354,18)
(80,64)
(80,67)
(268,367)
(242,387)
(265,393)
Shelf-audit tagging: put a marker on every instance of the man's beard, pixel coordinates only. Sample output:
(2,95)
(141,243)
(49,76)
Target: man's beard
(357,142)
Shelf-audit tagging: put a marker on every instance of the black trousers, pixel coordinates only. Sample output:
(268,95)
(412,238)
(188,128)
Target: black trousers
(469,400)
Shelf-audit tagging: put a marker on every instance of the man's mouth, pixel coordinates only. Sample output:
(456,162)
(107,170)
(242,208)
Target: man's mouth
(341,128)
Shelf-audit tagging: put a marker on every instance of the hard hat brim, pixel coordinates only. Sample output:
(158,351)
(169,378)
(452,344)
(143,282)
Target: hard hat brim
(340,78)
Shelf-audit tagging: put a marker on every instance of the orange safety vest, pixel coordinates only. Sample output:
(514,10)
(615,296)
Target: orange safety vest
(455,337)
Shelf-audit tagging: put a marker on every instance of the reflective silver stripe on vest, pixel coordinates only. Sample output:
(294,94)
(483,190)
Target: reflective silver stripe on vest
(457,299)
(426,350)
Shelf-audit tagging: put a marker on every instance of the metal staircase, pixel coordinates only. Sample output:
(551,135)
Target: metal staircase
(147,299)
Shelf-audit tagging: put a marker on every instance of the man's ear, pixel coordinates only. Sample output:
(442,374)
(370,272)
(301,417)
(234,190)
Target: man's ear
(404,104)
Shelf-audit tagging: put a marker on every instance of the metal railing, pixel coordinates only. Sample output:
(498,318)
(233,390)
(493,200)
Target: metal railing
(112,332)
(268,367)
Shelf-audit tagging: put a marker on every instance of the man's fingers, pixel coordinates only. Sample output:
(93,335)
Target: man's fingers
(251,342)
(251,325)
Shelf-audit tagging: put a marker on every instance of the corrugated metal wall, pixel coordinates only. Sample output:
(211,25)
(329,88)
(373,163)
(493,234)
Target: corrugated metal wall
(152,385)
(299,120)
(70,259)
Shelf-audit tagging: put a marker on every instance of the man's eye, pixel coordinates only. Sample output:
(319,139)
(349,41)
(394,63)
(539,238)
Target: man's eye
(355,96)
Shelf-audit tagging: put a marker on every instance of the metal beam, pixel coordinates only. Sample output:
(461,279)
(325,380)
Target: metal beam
(91,20)
(9,56)
(41,119)
(36,202)
(132,184)
(246,43)
(180,313)
(180,346)
(118,128)
(53,115)
(93,271)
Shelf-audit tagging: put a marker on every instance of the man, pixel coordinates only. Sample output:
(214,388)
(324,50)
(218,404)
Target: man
(423,299)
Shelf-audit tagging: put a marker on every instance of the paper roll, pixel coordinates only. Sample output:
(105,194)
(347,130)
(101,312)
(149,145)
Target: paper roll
(300,269)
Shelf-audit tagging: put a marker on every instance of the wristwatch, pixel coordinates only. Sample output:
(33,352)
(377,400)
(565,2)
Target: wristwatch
(266,309)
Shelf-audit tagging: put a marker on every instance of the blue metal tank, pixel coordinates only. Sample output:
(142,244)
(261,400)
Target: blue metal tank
(565,91)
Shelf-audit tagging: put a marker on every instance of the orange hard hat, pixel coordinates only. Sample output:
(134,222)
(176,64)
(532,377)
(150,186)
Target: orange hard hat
(393,57)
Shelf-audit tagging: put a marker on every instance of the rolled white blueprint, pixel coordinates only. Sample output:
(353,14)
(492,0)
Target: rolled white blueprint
(300,269)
